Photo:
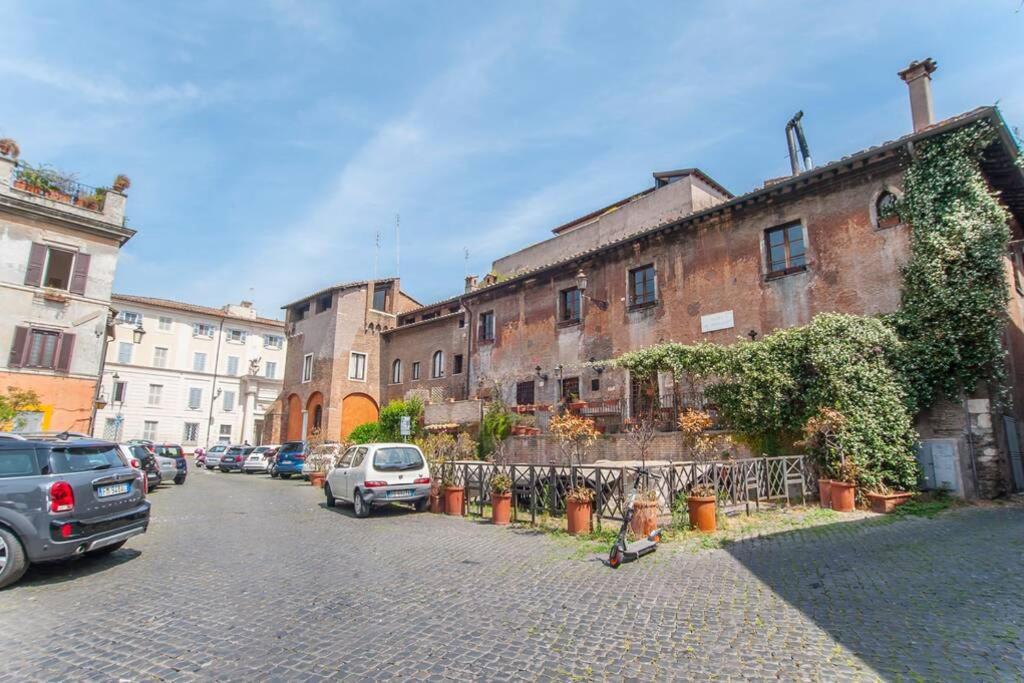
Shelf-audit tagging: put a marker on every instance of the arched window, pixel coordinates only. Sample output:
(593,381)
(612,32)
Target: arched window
(437,364)
(886,215)
(396,372)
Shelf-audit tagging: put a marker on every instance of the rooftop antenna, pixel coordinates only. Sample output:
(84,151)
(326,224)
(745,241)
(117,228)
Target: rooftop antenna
(398,247)
(376,254)
(465,261)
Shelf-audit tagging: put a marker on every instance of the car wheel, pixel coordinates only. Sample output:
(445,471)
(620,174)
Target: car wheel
(13,562)
(422,504)
(362,508)
(285,476)
(179,481)
(331,500)
(273,474)
(105,550)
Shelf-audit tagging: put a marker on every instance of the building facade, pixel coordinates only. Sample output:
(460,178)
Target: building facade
(59,246)
(198,376)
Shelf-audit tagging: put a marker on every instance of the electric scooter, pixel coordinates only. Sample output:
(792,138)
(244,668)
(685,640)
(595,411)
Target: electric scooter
(621,551)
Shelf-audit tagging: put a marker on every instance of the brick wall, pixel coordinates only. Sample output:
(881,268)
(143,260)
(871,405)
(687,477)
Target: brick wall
(419,342)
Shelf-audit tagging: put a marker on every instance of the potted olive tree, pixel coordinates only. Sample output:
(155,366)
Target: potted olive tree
(705,448)
(645,506)
(501,499)
(575,435)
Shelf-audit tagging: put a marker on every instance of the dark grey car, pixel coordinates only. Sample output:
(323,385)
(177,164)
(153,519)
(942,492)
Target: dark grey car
(62,499)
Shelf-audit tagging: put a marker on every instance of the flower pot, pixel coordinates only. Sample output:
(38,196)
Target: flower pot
(501,508)
(888,221)
(703,512)
(453,497)
(317,479)
(825,492)
(843,496)
(886,502)
(645,517)
(436,502)
(578,516)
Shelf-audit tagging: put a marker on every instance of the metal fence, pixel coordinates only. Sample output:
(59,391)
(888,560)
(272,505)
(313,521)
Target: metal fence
(542,489)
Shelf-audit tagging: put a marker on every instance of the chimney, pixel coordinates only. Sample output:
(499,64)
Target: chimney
(470,283)
(918,77)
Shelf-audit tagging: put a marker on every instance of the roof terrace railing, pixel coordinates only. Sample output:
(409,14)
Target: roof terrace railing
(55,186)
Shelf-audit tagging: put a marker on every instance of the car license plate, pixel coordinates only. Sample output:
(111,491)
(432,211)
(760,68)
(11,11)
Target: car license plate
(400,493)
(112,490)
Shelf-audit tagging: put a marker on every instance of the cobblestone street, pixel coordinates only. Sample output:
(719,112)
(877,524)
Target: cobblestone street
(247,578)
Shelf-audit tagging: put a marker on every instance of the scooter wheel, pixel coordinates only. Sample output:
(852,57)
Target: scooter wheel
(615,557)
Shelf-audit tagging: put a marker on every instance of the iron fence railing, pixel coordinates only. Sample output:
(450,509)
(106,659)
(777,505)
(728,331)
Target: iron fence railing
(49,184)
(542,489)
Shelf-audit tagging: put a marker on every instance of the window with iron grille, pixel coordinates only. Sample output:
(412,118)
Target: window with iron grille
(112,429)
(569,305)
(570,389)
(525,393)
(641,286)
(190,434)
(457,364)
(784,247)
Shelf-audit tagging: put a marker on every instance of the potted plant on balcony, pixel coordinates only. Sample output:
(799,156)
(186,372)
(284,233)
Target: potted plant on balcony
(575,435)
(94,201)
(574,403)
(9,148)
(122,183)
(501,499)
(702,496)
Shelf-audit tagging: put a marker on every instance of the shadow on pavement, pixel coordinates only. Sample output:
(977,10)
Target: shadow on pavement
(50,573)
(914,598)
(388,511)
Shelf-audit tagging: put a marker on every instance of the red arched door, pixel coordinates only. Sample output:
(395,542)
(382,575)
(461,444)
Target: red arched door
(356,409)
(294,418)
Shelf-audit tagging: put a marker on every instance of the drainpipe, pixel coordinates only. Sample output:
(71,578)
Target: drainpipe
(99,379)
(469,343)
(213,389)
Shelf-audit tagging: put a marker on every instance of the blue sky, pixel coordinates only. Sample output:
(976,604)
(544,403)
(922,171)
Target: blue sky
(268,141)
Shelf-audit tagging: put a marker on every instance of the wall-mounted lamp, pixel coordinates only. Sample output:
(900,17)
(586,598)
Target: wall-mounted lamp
(137,334)
(101,401)
(558,371)
(581,284)
(542,377)
(752,334)
(597,368)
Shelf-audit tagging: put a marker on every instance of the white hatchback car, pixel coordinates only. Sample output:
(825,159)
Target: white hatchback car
(259,459)
(376,474)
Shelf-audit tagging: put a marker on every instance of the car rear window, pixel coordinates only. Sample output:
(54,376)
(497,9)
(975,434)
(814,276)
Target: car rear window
(170,451)
(84,459)
(236,451)
(292,448)
(18,463)
(397,458)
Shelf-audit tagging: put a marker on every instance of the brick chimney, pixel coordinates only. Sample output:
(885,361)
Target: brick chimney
(470,283)
(918,77)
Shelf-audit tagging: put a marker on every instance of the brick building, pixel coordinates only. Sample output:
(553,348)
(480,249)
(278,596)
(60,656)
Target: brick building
(687,261)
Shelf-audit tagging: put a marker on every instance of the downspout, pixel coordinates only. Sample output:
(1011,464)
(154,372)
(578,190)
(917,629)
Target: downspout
(469,343)
(213,388)
(99,379)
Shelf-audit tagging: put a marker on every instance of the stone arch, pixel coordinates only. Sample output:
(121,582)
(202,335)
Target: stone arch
(315,413)
(294,432)
(357,409)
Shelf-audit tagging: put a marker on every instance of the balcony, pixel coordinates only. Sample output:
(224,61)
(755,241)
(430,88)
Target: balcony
(52,190)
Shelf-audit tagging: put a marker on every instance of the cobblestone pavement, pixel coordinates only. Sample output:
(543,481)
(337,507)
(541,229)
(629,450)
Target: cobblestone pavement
(247,578)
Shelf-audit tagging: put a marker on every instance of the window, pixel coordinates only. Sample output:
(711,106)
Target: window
(36,348)
(120,392)
(229,401)
(457,364)
(380,297)
(112,429)
(397,459)
(525,393)
(56,268)
(202,330)
(232,366)
(357,366)
(396,372)
(42,349)
(359,456)
(225,434)
(569,305)
(273,341)
(318,417)
(190,434)
(195,398)
(462,322)
(1017,259)
(164,324)
(19,463)
(437,365)
(885,210)
(307,368)
(323,303)
(641,286)
(571,389)
(487,326)
(129,318)
(159,357)
(300,312)
(595,384)
(155,393)
(149,430)
(270,370)
(236,336)
(416,370)
(199,361)
(124,353)
(785,249)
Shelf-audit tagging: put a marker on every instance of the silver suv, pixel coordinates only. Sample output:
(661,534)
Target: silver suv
(62,499)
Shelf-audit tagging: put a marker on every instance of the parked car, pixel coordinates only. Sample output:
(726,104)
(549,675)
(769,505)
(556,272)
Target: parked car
(213,456)
(8,436)
(171,458)
(289,460)
(142,458)
(259,460)
(233,458)
(59,500)
(330,450)
(378,474)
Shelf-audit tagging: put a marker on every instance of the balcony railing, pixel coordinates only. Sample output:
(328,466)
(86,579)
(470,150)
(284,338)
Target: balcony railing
(49,184)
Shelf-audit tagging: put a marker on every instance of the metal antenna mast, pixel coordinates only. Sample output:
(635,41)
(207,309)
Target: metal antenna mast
(376,255)
(398,247)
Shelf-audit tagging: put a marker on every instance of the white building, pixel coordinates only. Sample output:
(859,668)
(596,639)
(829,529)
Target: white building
(199,376)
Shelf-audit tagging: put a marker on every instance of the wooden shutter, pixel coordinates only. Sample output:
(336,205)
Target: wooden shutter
(80,273)
(67,346)
(18,347)
(36,261)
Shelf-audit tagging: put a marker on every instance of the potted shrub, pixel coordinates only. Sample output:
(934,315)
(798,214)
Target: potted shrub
(501,499)
(701,499)
(574,435)
(702,508)
(645,507)
(9,148)
(579,506)
(884,500)
(122,183)
(822,440)
(454,496)
(843,486)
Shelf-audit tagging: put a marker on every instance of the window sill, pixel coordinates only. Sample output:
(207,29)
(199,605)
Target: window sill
(784,273)
(485,341)
(640,307)
(569,323)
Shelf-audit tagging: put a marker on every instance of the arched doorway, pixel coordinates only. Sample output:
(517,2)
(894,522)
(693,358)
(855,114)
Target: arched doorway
(315,414)
(357,409)
(294,418)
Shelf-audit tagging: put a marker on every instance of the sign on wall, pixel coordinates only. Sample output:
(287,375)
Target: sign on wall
(716,321)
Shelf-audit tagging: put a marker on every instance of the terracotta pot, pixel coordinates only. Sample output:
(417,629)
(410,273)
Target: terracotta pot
(825,492)
(578,516)
(888,221)
(436,502)
(702,513)
(886,502)
(843,496)
(645,517)
(501,508)
(453,497)
(317,479)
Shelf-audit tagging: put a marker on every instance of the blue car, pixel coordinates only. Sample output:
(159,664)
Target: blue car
(289,460)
